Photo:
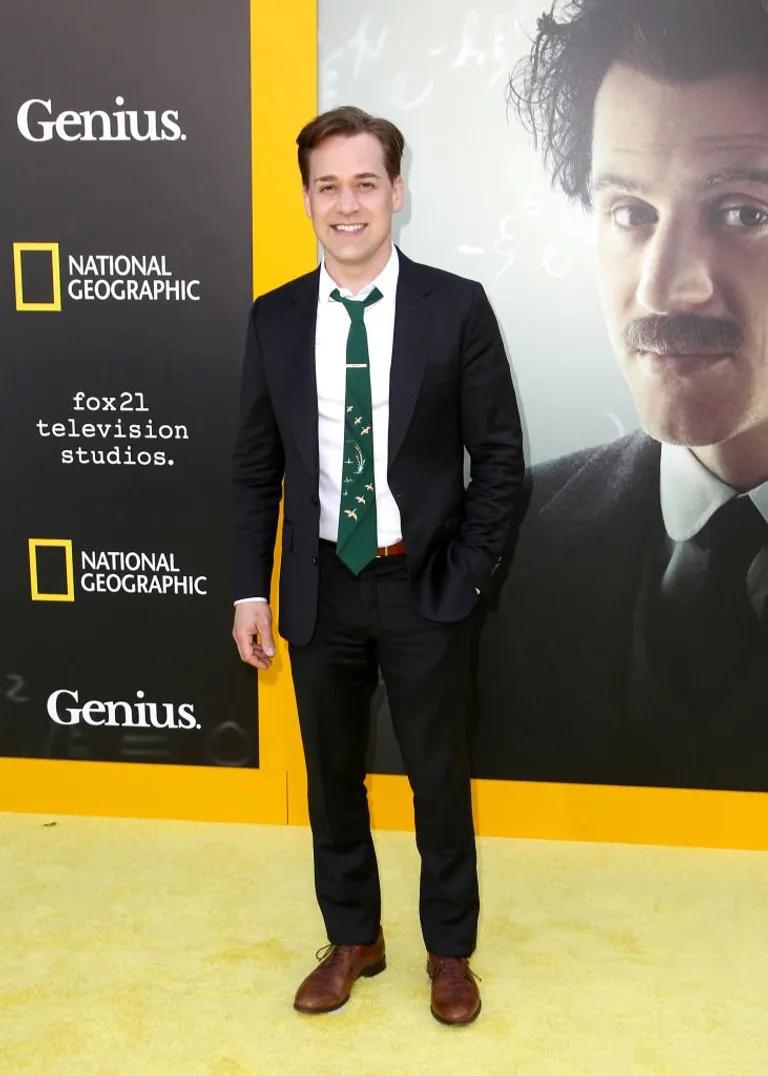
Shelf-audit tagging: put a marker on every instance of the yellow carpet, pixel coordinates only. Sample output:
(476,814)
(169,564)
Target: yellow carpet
(173,949)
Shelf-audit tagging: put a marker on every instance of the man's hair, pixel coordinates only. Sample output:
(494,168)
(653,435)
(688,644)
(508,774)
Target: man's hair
(348,121)
(553,89)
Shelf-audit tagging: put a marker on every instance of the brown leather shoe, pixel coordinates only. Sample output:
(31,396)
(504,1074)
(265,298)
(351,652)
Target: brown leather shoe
(329,985)
(455,997)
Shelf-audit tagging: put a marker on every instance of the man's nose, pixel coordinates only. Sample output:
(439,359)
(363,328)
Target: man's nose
(676,273)
(347,201)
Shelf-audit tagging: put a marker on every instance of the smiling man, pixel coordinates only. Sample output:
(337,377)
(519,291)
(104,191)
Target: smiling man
(629,643)
(363,384)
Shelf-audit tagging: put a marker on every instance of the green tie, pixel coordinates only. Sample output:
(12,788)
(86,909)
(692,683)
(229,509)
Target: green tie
(357,540)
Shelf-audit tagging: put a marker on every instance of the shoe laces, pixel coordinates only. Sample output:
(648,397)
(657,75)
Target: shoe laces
(330,953)
(454,968)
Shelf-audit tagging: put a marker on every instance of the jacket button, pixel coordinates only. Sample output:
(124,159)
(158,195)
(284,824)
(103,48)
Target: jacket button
(314,560)
(315,501)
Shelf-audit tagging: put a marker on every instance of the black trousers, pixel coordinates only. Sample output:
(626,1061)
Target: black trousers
(365,623)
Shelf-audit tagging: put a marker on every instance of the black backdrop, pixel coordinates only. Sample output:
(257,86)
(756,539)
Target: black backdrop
(182,198)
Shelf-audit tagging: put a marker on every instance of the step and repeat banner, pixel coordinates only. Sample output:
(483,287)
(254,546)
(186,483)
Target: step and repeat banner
(125,278)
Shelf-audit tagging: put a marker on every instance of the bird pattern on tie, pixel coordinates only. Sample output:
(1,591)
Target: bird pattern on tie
(356,543)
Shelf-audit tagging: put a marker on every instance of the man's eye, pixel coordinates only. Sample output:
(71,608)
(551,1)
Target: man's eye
(326,188)
(632,216)
(744,216)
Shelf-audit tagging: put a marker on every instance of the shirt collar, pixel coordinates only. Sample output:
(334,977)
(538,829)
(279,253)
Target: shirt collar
(386,282)
(690,494)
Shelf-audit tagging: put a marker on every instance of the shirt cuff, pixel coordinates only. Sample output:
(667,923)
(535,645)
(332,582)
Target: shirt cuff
(241,600)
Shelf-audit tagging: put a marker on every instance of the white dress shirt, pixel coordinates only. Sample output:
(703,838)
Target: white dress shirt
(330,368)
(690,495)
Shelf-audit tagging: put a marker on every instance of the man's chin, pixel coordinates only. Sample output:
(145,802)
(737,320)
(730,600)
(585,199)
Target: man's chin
(349,248)
(695,433)
(688,414)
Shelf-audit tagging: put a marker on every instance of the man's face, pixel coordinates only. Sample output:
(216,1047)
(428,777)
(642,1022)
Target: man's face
(350,201)
(680,182)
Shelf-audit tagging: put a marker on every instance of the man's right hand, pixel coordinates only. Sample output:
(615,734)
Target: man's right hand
(252,632)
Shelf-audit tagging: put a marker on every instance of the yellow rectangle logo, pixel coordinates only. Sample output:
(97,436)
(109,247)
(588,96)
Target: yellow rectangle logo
(18,275)
(66,545)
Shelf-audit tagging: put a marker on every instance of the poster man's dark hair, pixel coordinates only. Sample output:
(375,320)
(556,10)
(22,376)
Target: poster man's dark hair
(553,89)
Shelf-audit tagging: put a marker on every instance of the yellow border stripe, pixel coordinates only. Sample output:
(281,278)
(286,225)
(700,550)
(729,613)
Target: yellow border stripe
(669,816)
(664,816)
(142,790)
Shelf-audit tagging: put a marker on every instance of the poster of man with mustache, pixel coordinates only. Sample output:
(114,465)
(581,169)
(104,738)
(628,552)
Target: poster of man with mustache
(627,641)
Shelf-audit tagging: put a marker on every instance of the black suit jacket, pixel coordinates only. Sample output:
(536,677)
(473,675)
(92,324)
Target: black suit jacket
(555,652)
(450,388)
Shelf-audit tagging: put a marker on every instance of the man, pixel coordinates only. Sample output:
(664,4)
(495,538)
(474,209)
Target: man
(364,381)
(629,645)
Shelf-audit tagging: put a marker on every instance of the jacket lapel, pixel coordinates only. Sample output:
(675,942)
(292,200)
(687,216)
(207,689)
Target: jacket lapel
(554,646)
(298,350)
(410,348)
(594,537)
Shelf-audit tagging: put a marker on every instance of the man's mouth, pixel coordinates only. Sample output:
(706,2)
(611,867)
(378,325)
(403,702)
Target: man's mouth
(662,351)
(680,363)
(348,229)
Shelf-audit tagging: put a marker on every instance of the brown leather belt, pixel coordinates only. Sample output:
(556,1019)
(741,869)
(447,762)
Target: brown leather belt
(391,550)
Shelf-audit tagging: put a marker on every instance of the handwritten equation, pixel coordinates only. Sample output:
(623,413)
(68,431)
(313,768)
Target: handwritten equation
(489,44)
(555,250)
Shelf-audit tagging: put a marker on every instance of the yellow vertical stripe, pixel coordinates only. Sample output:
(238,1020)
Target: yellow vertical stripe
(284,98)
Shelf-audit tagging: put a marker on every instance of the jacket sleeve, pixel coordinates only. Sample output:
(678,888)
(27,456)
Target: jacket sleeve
(258,466)
(493,437)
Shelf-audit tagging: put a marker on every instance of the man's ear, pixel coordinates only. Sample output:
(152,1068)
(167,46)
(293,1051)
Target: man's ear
(307,203)
(398,194)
